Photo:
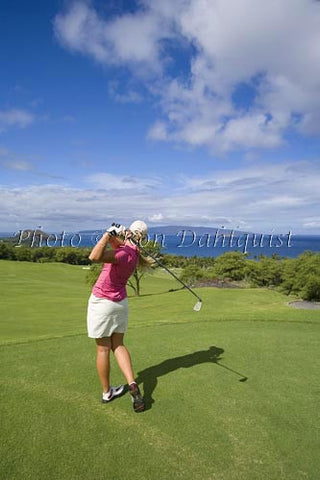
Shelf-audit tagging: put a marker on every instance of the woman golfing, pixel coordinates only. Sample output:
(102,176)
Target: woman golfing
(107,316)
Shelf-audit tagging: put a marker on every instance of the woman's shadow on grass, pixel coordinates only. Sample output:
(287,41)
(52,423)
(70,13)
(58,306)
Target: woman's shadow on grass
(149,376)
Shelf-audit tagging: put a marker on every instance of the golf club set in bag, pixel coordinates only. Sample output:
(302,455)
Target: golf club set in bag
(141,228)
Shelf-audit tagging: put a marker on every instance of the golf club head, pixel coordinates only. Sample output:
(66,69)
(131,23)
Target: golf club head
(197,306)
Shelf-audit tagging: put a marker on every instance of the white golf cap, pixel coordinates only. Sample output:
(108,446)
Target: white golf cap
(139,226)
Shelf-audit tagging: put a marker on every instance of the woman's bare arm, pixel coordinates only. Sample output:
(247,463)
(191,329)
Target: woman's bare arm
(99,254)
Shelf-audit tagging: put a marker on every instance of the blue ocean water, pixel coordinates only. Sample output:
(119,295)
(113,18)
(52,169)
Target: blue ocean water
(206,245)
(252,246)
(211,246)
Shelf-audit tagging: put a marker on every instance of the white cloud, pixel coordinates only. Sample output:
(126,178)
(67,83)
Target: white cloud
(156,218)
(22,165)
(19,165)
(130,96)
(272,47)
(251,131)
(129,39)
(261,198)
(111,182)
(158,131)
(15,118)
(312,223)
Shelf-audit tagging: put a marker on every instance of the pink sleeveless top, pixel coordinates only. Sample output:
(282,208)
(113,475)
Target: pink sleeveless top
(113,278)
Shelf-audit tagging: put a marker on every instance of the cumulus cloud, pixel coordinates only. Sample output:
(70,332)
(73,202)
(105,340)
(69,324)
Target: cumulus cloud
(128,39)
(261,198)
(271,48)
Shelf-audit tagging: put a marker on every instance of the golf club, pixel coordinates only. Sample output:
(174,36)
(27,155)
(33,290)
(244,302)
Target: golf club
(242,379)
(198,305)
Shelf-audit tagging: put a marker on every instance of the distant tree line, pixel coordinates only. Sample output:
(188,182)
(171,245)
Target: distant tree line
(21,253)
(297,276)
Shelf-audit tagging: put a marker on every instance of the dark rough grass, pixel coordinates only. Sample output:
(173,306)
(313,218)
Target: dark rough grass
(201,422)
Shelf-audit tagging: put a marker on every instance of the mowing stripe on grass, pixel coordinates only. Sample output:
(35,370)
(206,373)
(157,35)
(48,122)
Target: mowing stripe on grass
(181,458)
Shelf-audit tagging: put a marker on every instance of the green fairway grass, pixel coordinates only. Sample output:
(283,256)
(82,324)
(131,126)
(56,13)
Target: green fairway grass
(202,422)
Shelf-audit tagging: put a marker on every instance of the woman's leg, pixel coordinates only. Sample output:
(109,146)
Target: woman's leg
(124,361)
(122,356)
(103,361)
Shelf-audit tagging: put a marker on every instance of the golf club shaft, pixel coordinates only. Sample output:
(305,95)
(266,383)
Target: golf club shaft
(243,379)
(167,269)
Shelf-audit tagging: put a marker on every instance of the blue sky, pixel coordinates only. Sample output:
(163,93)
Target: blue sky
(193,112)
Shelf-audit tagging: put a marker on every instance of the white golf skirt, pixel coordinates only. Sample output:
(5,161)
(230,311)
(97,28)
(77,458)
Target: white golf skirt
(105,317)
